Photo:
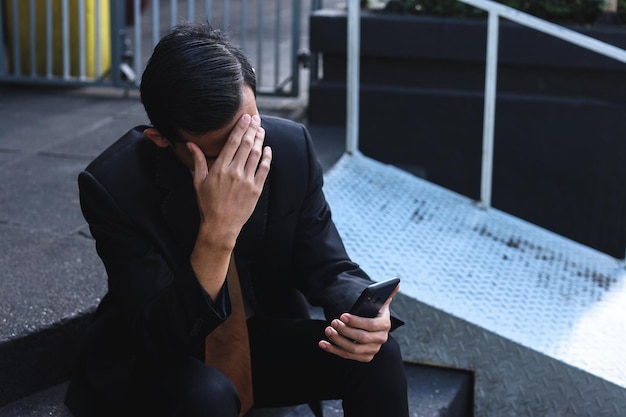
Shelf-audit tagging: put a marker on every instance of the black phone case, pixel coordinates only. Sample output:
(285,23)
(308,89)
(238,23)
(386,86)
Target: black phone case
(373,297)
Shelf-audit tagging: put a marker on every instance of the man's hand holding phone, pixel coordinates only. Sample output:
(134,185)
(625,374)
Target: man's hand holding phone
(359,338)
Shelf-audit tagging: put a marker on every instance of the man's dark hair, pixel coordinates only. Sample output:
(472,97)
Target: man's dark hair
(194,81)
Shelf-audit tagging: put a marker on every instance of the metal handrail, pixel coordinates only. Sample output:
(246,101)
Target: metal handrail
(495,11)
(353,80)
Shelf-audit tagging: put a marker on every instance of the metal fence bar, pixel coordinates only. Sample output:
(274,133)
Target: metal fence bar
(33,44)
(82,73)
(259,44)
(66,39)
(295,46)
(243,17)
(137,64)
(2,47)
(97,40)
(156,22)
(277,44)
(49,55)
(207,8)
(173,12)
(191,7)
(16,41)
(226,14)
(66,45)
(117,40)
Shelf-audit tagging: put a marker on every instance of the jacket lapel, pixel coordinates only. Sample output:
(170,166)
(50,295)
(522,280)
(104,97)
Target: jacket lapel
(179,206)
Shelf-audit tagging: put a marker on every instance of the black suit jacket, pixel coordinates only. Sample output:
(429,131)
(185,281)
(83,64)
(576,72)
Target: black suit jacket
(141,207)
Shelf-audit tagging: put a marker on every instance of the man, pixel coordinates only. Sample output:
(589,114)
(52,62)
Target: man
(168,205)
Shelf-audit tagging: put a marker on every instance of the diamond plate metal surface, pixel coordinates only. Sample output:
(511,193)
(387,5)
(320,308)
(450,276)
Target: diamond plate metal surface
(540,318)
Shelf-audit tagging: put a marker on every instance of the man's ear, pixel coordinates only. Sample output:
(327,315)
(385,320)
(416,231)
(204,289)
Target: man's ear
(156,137)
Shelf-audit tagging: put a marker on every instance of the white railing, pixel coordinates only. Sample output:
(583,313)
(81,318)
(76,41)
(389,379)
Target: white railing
(495,11)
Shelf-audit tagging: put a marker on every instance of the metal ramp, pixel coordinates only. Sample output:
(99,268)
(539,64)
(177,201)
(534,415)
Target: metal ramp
(540,319)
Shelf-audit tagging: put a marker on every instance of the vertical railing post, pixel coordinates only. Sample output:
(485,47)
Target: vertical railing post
(2,46)
(259,44)
(98,40)
(295,48)
(491,75)
(314,60)
(207,8)
(82,59)
(17,66)
(226,14)
(173,13)
(156,22)
(117,40)
(137,47)
(243,17)
(354,44)
(32,22)
(277,35)
(49,32)
(191,9)
(65,35)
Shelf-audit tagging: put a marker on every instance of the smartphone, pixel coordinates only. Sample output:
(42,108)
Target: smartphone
(373,297)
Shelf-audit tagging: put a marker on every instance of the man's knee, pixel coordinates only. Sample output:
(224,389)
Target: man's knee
(380,388)
(388,365)
(210,392)
(389,352)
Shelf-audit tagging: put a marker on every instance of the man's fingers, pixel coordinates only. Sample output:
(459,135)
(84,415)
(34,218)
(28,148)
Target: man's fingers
(362,330)
(200,168)
(264,167)
(255,153)
(347,349)
(395,291)
(240,142)
(231,147)
(247,154)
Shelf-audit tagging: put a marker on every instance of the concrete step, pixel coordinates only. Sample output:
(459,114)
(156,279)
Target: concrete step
(35,369)
(433,392)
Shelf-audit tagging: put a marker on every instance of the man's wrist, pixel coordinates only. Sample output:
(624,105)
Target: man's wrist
(209,240)
(209,261)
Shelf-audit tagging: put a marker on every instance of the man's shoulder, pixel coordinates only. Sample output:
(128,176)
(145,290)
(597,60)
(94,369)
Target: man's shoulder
(286,136)
(278,125)
(129,162)
(129,146)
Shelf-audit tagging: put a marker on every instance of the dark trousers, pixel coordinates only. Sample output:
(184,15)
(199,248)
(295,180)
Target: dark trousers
(288,369)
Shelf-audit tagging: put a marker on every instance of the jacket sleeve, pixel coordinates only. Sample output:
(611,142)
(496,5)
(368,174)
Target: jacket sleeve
(164,309)
(329,277)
